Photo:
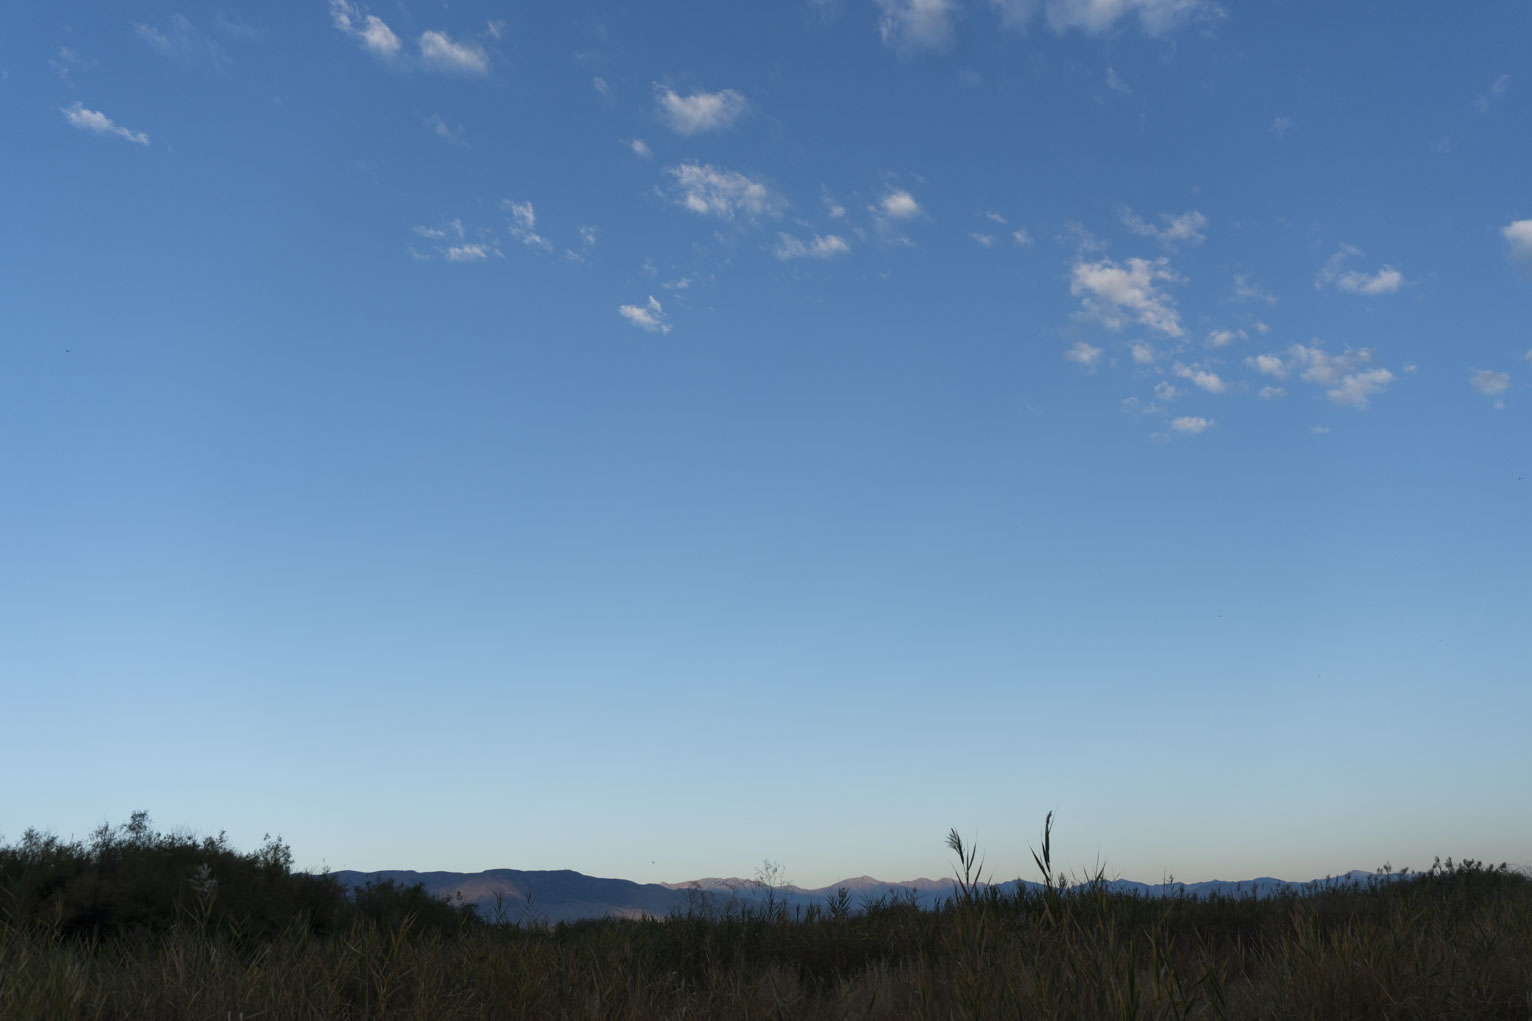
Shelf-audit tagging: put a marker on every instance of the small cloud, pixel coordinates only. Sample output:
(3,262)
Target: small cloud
(1319,430)
(1280,126)
(442,130)
(523,225)
(65,63)
(1271,393)
(700,111)
(1489,383)
(1201,378)
(1143,354)
(1246,289)
(1190,425)
(600,85)
(1518,235)
(1223,338)
(370,31)
(649,317)
(984,240)
(1115,83)
(640,148)
(1167,391)
(1497,89)
(826,246)
(99,123)
(1095,17)
(995,218)
(1185,228)
(1134,406)
(182,41)
(1083,354)
(1267,365)
(470,253)
(1385,281)
(899,205)
(710,191)
(918,26)
(588,236)
(1021,237)
(1112,292)
(439,51)
(1081,239)
(496,29)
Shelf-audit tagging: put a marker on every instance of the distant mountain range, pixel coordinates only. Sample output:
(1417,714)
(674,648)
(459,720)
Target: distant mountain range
(566,896)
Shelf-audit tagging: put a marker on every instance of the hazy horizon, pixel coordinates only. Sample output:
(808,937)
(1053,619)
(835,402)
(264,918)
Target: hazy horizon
(647,440)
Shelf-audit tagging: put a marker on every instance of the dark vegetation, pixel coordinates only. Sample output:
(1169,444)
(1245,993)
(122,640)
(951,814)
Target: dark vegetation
(145,925)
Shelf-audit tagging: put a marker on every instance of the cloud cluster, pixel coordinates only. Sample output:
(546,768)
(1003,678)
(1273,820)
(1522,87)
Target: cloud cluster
(826,246)
(1116,293)
(1185,228)
(710,191)
(99,123)
(523,225)
(700,111)
(1348,378)
(437,51)
(1155,17)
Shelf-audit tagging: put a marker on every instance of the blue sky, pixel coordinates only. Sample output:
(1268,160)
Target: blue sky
(649,439)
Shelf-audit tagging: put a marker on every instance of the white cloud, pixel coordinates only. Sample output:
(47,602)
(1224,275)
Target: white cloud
(367,29)
(1021,237)
(1385,281)
(1190,425)
(899,205)
(1115,83)
(985,240)
(1267,365)
(1271,393)
(99,123)
(600,85)
(915,26)
(640,148)
(588,236)
(1155,17)
(442,129)
(1112,292)
(700,111)
(1134,406)
(1083,353)
(1246,289)
(1167,391)
(995,218)
(826,246)
(1348,377)
(184,42)
(1143,354)
(469,253)
(1519,236)
(1280,126)
(437,50)
(1496,90)
(1223,338)
(1489,383)
(1202,378)
(1183,229)
(1319,430)
(649,316)
(523,225)
(710,191)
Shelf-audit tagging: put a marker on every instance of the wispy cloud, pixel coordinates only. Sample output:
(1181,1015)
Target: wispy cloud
(640,148)
(1280,126)
(1116,293)
(1084,354)
(1334,273)
(1176,229)
(99,123)
(700,111)
(1497,88)
(826,246)
(523,224)
(183,41)
(1155,17)
(711,191)
(918,26)
(1202,378)
(368,30)
(649,316)
(1246,289)
(441,129)
(440,52)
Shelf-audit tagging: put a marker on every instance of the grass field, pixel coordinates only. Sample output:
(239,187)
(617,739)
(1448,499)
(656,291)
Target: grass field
(136,924)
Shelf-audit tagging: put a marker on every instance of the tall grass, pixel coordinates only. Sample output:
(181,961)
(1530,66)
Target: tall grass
(1455,942)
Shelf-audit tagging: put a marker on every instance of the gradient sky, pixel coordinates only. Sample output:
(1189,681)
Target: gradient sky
(647,439)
